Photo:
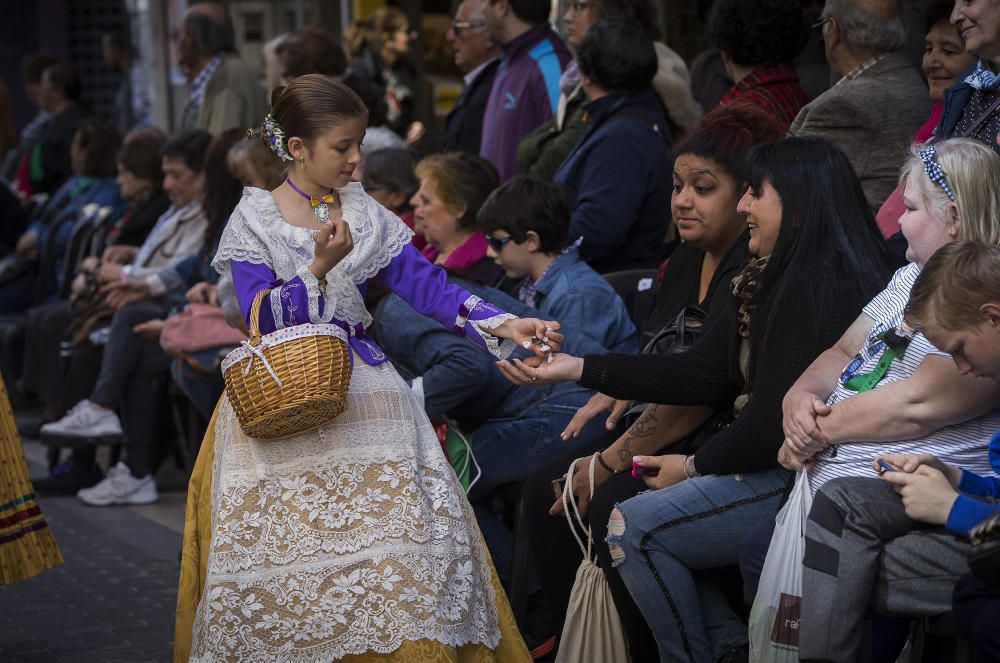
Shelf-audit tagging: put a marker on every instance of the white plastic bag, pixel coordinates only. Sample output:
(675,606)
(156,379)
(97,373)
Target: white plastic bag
(774,618)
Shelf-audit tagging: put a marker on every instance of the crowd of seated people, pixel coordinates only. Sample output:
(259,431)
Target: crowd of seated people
(790,329)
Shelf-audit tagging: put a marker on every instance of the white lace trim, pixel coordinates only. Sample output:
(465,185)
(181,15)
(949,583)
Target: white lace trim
(276,312)
(351,538)
(501,349)
(313,293)
(257,234)
(469,305)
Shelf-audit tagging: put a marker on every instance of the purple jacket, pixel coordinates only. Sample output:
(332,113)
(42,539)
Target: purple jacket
(525,94)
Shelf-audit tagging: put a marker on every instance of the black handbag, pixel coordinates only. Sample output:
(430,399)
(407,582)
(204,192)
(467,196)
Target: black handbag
(679,335)
(675,338)
(984,556)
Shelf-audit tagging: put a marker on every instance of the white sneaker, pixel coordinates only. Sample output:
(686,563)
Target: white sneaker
(85,420)
(120,487)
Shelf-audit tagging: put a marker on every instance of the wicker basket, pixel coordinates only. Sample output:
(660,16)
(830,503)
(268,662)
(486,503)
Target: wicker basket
(290,381)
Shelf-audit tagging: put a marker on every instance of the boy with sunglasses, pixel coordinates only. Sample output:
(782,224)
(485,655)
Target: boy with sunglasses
(526,223)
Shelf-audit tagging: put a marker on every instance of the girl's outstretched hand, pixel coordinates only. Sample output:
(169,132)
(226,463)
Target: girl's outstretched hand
(538,371)
(539,336)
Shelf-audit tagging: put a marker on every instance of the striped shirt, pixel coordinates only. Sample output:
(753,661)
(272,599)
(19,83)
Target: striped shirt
(964,444)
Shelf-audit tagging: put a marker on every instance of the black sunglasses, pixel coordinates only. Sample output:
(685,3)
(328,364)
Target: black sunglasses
(497,243)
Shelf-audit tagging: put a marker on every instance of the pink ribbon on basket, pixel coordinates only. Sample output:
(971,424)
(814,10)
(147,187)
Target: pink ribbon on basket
(255,352)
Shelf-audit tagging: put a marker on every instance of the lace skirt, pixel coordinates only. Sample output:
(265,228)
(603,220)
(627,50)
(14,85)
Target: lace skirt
(350,542)
(27,546)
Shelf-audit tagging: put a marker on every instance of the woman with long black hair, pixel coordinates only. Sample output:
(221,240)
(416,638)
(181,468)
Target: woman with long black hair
(816,258)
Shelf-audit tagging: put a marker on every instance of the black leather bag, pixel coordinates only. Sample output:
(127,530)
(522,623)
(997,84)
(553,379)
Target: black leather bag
(675,338)
(984,556)
(679,335)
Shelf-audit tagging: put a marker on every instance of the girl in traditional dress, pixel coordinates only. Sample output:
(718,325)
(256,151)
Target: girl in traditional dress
(353,541)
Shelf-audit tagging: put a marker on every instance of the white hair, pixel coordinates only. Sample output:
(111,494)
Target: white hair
(865,32)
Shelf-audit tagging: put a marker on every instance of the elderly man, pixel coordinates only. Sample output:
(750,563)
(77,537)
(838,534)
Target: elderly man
(525,92)
(476,56)
(880,100)
(225,93)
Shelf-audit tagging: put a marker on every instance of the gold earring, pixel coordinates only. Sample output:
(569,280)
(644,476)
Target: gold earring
(302,164)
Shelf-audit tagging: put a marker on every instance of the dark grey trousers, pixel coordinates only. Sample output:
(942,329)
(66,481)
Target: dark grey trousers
(129,368)
(863,551)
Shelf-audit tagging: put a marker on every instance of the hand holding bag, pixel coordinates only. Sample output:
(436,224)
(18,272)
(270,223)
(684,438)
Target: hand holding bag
(774,618)
(592,631)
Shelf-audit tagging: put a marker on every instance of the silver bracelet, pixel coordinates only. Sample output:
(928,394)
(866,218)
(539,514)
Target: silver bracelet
(690,471)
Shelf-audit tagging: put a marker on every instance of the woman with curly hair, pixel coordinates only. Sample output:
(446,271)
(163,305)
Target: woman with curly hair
(759,39)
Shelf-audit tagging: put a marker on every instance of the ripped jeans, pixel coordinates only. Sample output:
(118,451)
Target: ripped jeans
(670,542)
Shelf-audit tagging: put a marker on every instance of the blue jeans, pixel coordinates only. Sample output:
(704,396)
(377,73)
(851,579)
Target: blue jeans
(511,449)
(668,542)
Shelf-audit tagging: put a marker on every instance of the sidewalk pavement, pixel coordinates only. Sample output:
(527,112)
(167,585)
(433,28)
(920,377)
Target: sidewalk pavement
(113,599)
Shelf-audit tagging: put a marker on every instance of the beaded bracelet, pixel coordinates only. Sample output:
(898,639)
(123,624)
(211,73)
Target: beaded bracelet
(600,459)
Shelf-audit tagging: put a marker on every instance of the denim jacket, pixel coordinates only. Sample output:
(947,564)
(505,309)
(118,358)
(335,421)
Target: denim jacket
(955,99)
(580,300)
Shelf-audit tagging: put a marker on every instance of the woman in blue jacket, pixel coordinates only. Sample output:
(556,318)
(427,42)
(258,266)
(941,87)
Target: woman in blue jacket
(619,170)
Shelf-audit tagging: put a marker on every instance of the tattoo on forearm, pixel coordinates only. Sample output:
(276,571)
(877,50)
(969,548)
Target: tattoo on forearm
(645,426)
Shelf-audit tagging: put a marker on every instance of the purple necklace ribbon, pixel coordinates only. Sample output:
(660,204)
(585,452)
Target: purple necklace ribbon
(320,204)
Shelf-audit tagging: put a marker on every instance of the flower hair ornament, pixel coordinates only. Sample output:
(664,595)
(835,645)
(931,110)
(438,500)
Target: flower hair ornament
(929,156)
(274,137)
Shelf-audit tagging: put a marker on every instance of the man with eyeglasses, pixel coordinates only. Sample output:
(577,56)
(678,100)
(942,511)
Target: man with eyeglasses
(477,57)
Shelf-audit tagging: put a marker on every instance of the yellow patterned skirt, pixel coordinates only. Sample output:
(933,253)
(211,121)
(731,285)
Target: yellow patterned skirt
(27,546)
(351,543)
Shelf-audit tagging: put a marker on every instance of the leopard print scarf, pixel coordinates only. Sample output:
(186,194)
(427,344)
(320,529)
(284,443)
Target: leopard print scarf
(745,286)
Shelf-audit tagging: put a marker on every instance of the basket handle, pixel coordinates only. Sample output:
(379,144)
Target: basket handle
(255,316)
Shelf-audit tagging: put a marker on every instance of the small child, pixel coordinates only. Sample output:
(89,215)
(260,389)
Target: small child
(254,165)
(955,303)
(387,176)
(526,222)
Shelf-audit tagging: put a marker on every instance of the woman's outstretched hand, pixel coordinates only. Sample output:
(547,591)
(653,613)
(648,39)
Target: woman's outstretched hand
(539,336)
(538,371)
(597,404)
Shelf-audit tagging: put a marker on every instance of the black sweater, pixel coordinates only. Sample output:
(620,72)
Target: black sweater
(703,375)
(682,280)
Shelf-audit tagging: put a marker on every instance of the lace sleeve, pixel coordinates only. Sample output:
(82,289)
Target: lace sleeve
(240,239)
(320,306)
(482,318)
